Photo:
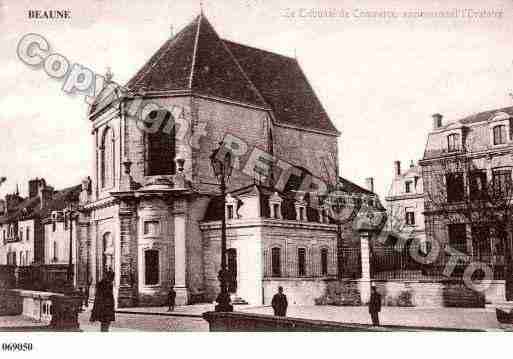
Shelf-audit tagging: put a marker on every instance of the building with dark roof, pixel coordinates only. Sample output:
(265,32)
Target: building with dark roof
(151,210)
(23,239)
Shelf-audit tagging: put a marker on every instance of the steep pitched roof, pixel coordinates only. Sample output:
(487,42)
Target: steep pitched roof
(198,60)
(284,86)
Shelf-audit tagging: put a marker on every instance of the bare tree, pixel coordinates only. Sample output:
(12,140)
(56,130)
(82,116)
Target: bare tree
(458,190)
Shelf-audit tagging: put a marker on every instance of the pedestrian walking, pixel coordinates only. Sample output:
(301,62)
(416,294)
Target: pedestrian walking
(103,306)
(279,303)
(374,305)
(171,299)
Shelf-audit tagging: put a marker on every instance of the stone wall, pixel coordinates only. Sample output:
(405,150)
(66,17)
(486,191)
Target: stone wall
(313,151)
(413,293)
(298,291)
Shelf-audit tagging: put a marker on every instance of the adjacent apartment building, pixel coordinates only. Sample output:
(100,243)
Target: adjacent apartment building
(466,172)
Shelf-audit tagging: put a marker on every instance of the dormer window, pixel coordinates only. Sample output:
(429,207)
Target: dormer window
(301,208)
(453,142)
(407,186)
(275,206)
(230,207)
(229,211)
(499,135)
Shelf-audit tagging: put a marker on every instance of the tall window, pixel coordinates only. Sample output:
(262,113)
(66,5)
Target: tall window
(502,182)
(478,185)
(453,142)
(276,262)
(481,244)
(54,254)
(410,217)
(499,135)
(28,233)
(455,187)
(324,261)
(160,144)
(27,258)
(229,209)
(407,186)
(276,209)
(458,237)
(107,158)
(301,262)
(151,267)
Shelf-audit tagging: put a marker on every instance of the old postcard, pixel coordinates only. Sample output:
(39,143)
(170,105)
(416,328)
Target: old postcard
(255,166)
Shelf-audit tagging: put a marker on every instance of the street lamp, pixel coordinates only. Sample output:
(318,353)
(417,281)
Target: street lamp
(70,212)
(222,166)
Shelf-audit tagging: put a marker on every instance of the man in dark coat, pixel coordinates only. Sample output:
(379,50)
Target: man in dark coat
(279,303)
(103,307)
(374,305)
(171,299)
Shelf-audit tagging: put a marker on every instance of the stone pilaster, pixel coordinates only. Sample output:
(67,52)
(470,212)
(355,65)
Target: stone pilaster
(127,235)
(180,235)
(82,276)
(365,280)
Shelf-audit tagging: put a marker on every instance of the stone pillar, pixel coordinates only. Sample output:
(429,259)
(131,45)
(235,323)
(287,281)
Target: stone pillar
(126,236)
(82,273)
(180,235)
(365,280)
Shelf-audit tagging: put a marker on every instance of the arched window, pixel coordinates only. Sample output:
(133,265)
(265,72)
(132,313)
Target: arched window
(107,153)
(108,252)
(160,146)
(324,261)
(276,262)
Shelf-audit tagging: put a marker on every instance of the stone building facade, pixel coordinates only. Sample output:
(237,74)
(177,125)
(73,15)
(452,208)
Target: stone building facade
(147,210)
(29,226)
(405,204)
(466,171)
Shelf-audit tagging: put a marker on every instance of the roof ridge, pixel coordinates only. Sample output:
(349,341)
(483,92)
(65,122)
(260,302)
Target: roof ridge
(169,42)
(195,51)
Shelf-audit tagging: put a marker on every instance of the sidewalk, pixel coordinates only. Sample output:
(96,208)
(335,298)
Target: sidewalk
(193,311)
(468,318)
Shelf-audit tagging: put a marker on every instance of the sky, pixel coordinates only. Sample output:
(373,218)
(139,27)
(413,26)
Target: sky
(380,79)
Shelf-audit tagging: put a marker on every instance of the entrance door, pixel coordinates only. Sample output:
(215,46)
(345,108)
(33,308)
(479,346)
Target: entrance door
(232,270)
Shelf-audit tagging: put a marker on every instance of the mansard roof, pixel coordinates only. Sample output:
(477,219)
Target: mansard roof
(199,61)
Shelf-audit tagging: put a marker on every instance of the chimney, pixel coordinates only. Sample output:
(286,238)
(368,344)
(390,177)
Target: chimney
(369,184)
(33,186)
(397,167)
(437,120)
(45,193)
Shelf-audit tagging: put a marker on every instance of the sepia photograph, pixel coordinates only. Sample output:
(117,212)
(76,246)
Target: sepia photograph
(255,166)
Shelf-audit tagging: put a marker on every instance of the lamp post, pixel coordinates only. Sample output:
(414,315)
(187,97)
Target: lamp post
(222,169)
(69,274)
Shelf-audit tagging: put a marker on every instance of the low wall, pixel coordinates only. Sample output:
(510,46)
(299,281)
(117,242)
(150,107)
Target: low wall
(298,291)
(414,293)
(57,310)
(247,322)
